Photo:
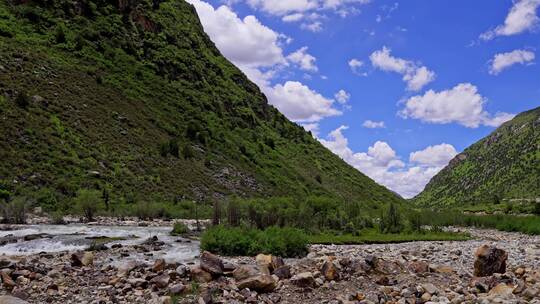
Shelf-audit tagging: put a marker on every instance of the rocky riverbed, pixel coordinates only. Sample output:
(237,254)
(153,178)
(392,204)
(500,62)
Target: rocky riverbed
(140,271)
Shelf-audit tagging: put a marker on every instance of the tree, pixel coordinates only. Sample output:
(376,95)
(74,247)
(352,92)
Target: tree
(391,222)
(87,203)
(216,217)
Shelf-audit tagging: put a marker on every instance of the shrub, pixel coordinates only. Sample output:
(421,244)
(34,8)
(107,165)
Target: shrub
(22,100)
(87,203)
(180,229)
(14,212)
(57,218)
(233,241)
(536,209)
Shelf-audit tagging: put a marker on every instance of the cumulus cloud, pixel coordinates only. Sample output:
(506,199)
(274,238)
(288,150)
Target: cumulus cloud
(240,40)
(434,156)
(461,104)
(256,50)
(414,75)
(370,124)
(342,96)
(304,60)
(522,17)
(503,61)
(382,164)
(299,103)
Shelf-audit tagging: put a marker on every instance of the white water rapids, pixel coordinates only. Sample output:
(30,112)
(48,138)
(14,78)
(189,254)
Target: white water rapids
(78,237)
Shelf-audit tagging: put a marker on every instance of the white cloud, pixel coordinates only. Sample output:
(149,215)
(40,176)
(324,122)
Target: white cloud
(461,104)
(522,17)
(299,103)
(434,156)
(355,65)
(312,27)
(382,164)
(240,40)
(311,127)
(414,75)
(304,60)
(282,7)
(503,61)
(342,96)
(293,17)
(370,124)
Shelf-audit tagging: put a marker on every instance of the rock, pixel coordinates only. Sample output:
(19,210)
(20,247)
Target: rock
(159,265)
(87,258)
(199,275)
(283,272)
(329,271)
(489,260)
(260,283)
(79,259)
(138,283)
(276,263)
(7,281)
(229,267)
(182,271)
(502,290)
(205,298)
(177,289)
(243,272)
(161,281)
(419,267)
(11,300)
(212,264)
(430,288)
(126,268)
(166,300)
(443,269)
(304,279)
(531,293)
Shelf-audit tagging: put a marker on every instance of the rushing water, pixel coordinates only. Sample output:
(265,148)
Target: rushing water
(79,237)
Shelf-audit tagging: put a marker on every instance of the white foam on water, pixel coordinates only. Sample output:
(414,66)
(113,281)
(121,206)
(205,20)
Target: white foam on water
(75,237)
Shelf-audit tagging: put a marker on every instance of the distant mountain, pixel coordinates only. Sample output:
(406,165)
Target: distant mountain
(504,165)
(133,95)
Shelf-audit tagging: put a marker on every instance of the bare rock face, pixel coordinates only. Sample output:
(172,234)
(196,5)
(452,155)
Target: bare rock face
(212,264)
(489,260)
(260,283)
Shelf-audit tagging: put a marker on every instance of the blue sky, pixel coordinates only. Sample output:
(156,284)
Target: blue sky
(396,88)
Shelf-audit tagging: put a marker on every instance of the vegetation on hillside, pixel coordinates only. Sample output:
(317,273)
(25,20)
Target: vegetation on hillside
(501,168)
(133,100)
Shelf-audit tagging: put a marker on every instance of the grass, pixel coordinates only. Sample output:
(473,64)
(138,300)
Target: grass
(372,236)
(180,229)
(510,223)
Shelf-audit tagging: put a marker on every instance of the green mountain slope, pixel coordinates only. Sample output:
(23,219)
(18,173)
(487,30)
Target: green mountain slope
(132,95)
(504,165)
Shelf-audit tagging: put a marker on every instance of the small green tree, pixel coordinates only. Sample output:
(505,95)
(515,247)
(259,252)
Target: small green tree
(391,221)
(536,209)
(87,203)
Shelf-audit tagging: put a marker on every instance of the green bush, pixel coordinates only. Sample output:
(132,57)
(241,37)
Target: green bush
(87,202)
(234,241)
(180,229)
(22,100)
(14,212)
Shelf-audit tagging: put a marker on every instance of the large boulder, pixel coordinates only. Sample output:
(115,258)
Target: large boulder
(7,281)
(159,265)
(260,283)
(243,272)
(489,260)
(80,258)
(200,275)
(161,281)
(283,272)
(212,264)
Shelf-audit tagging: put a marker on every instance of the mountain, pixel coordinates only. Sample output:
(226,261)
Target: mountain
(504,165)
(133,96)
